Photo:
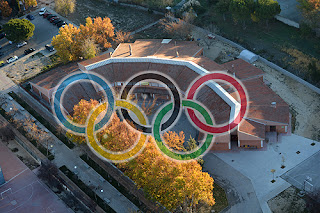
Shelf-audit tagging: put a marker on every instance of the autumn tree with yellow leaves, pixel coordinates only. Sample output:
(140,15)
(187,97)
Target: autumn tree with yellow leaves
(174,184)
(74,43)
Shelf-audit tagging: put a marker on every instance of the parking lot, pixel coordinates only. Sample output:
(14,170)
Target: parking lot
(43,33)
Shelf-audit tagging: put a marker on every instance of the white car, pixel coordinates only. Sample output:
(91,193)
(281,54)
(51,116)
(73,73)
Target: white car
(12,59)
(42,11)
(21,44)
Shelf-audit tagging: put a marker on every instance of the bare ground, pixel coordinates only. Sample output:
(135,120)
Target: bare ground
(26,67)
(22,154)
(287,201)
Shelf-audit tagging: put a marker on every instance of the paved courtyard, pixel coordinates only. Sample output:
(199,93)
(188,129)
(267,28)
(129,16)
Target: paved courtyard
(256,165)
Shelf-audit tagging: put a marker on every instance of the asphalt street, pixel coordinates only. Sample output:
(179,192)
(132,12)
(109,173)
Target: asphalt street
(42,35)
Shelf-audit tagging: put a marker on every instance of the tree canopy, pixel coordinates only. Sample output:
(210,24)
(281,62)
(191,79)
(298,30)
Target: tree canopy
(311,11)
(169,182)
(266,9)
(65,7)
(18,30)
(5,8)
(74,43)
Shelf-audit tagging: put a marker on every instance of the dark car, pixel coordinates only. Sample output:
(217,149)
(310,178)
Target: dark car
(51,16)
(46,14)
(61,23)
(54,18)
(2,35)
(56,21)
(30,17)
(49,48)
(28,51)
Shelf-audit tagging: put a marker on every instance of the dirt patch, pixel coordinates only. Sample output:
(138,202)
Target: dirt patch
(304,102)
(27,67)
(123,18)
(22,154)
(288,201)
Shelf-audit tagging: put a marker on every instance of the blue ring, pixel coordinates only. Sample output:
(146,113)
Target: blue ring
(79,77)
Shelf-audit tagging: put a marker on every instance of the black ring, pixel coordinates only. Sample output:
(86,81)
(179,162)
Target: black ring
(172,87)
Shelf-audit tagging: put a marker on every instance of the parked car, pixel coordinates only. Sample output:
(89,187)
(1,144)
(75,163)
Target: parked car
(30,17)
(54,18)
(60,24)
(12,59)
(46,14)
(21,44)
(42,11)
(56,21)
(51,16)
(28,51)
(1,63)
(49,48)
(2,35)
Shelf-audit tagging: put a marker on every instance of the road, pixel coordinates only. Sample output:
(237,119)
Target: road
(42,35)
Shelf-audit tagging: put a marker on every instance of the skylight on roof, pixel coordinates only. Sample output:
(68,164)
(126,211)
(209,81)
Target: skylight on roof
(166,41)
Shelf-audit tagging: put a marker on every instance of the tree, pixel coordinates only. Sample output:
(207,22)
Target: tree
(223,7)
(266,10)
(89,49)
(174,140)
(5,8)
(273,171)
(176,28)
(65,7)
(30,3)
(67,43)
(18,30)
(100,30)
(241,10)
(311,11)
(6,133)
(169,182)
(192,144)
(122,37)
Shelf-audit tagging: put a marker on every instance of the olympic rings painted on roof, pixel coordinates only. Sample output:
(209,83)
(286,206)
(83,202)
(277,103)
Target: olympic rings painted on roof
(64,84)
(169,83)
(233,82)
(174,106)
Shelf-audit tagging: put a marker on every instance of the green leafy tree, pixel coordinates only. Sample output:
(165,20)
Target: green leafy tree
(223,7)
(241,10)
(18,30)
(266,10)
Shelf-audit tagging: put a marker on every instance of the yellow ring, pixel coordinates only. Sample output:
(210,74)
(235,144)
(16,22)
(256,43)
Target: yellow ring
(120,156)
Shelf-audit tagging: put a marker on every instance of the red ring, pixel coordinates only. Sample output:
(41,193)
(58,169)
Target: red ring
(243,98)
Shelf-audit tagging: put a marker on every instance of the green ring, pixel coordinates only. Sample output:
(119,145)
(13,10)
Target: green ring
(164,148)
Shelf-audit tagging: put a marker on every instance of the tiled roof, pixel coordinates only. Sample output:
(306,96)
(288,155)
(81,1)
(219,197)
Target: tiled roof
(154,47)
(242,69)
(252,128)
(51,78)
(121,67)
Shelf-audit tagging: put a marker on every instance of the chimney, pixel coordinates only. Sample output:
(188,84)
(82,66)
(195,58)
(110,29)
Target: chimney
(274,104)
(130,49)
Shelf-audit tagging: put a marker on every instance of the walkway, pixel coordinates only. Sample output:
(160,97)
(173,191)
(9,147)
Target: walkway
(239,189)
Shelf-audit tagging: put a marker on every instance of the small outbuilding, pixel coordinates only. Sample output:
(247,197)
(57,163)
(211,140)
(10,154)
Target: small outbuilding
(248,56)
